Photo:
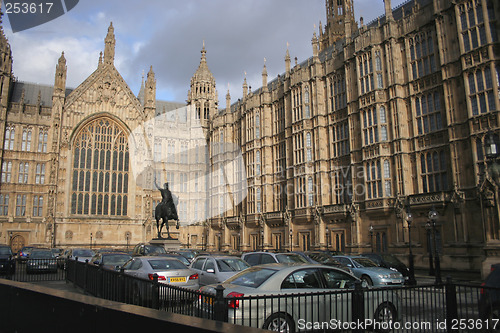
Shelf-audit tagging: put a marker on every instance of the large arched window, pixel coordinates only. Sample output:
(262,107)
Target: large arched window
(100,170)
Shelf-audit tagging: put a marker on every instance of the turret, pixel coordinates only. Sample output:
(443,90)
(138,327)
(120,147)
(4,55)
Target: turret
(388,11)
(60,77)
(228,100)
(287,59)
(245,86)
(264,76)
(109,46)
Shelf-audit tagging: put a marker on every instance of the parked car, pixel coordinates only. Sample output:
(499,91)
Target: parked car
(7,261)
(368,271)
(56,252)
(170,271)
(489,301)
(24,253)
(40,261)
(177,256)
(188,254)
(80,254)
(389,261)
(324,258)
(111,260)
(295,283)
(217,269)
(143,249)
(259,258)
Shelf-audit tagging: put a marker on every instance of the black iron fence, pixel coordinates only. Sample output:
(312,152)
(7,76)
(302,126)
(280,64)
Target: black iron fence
(449,307)
(33,270)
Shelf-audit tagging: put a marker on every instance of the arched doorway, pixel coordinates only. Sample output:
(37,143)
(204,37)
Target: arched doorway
(16,243)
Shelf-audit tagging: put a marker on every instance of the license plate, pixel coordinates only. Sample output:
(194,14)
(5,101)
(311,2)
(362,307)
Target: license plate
(177,279)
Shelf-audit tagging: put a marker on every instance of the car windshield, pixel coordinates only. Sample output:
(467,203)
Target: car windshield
(287,258)
(115,259)
(391,259)
(162,264)
(324,259)
(187,254)
(182,259)
(5,251)
(252,278)
(83,253)
(41,255)
(364,262)
(231,265)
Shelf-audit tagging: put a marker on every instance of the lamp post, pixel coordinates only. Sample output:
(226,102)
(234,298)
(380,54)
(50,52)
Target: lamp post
(428,227)
(238,241)
(433,216)
(291,239)
(371,237)
(262,240)
(327,238)
(188,242)
(127,238)
(218,241)
(90,240)
(409,220)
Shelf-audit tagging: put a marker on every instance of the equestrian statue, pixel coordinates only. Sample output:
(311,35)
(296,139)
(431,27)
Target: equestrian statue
(166,209)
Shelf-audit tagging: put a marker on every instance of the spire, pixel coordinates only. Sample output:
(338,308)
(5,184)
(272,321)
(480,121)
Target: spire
(264,76)
(388,11)
(100,60)
(60,78)
(287,59)
(228,100)
(109,46)
(315,44)
(150,90)
(140,96)
(245,86)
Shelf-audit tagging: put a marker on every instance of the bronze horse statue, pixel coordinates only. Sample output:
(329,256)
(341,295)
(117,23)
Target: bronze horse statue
(166,210)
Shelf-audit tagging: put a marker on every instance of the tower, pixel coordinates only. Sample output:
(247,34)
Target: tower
(338,12)
(202,95)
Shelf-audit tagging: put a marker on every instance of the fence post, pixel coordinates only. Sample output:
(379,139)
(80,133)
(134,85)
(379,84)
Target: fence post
(155,293)
(220,304)
(358,307)
(451,303)
(121,288)
(85,276)
(100,282)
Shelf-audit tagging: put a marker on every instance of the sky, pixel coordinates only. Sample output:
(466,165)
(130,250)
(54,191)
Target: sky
(169,34)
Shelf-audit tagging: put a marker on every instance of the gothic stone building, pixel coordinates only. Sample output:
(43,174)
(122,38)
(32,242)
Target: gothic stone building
(385,123)
(385,119)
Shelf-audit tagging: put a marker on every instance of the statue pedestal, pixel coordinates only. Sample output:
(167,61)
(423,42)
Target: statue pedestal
(168,244)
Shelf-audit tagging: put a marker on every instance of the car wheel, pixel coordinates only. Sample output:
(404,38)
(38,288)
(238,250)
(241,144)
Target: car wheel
(367,279)
(279,322)
(385,313)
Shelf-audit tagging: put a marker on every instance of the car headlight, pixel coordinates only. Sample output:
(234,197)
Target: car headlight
(384,276)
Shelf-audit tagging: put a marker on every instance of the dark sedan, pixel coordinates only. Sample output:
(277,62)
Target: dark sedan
(7,261)
(41,261)
(111,260)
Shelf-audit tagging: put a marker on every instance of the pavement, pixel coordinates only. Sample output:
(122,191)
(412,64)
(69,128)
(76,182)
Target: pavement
(423,277)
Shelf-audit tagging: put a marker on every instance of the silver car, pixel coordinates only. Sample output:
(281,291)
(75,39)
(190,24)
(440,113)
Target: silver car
(217,269)
(169,270)
(292,295)
(368,271)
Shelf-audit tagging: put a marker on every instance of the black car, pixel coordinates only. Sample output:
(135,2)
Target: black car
(489,302)
(111,260)
(389,261)
(7,261)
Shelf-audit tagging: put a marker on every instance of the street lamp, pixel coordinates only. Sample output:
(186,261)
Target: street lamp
(433,216)
(127,238)
(188,242)
(262,240)
(91,240)
(291,239)
(218,241)
(238,242)
(327,238)
(409,220)
(371,237)
(428,227)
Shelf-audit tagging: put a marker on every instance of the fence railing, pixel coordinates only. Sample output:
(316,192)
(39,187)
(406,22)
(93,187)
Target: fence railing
(449,307)
(34,270)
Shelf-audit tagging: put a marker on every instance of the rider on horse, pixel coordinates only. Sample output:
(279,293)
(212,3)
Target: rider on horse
(166,209)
